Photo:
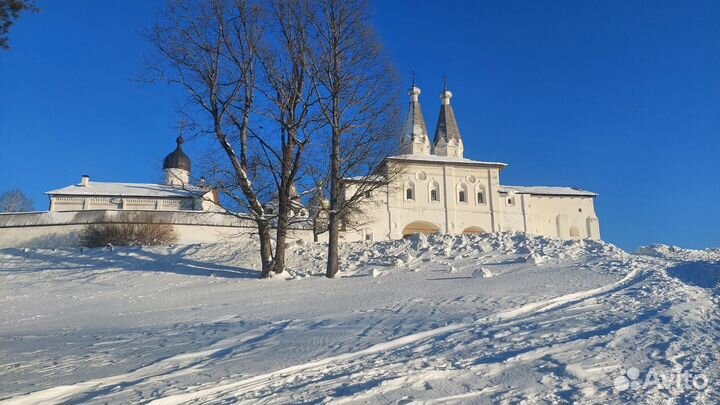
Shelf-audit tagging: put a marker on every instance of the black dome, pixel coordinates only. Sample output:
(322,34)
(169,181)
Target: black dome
(177,159)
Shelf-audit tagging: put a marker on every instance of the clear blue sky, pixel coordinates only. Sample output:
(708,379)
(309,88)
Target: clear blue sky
(619,97)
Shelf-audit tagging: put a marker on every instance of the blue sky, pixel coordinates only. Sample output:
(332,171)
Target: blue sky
(619,97)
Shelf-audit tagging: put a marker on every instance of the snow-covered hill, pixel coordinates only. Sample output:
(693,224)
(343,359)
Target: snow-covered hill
(497,318)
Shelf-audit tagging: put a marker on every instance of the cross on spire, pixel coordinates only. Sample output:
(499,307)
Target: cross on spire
(182,126)
(445,82)
(413,78)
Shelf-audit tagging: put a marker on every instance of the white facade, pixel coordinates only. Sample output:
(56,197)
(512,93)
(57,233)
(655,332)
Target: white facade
(92,195)
(442,191)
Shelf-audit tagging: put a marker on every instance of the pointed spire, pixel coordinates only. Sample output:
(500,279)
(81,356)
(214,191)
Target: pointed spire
(415,139)
(448,141)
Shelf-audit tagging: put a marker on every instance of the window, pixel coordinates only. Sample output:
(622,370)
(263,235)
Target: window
(368,194)
(368,236)
(409,187)
(434,191)
(480,197)
(462,192)
(511,201)
(579,209)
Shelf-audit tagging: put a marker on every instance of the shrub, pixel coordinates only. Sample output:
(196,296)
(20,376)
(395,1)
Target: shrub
(138,230)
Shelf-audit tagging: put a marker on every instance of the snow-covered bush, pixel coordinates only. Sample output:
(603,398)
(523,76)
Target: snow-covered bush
(139,230)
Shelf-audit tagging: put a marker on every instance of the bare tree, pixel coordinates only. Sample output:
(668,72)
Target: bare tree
(244,67)
(10,11)
(354,83)
(288,88)
(209,49)
(15,201)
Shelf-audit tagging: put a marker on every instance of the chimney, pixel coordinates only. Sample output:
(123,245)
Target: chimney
(85,180)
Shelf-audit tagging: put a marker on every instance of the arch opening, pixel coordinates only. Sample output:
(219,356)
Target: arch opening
(423,227)
(473,230)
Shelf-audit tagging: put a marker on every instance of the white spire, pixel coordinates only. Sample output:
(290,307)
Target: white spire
(448,141)
(415,139)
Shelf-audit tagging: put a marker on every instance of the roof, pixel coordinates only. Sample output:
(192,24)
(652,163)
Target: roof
(177,159)
(545,190)
(362,179)
(415,127)
(446,159)
(447,128)
(129,190)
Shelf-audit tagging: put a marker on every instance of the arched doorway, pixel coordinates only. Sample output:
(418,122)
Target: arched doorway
(423,227)
(473,230)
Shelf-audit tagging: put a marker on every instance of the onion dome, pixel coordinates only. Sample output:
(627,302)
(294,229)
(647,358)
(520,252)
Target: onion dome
(177,159)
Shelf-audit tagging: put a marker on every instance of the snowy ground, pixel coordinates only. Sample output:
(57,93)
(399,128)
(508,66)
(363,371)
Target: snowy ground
(485,319)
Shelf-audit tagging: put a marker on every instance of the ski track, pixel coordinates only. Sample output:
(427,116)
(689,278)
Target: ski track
(182,363)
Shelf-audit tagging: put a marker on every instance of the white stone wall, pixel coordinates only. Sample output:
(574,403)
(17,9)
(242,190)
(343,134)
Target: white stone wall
(448,214)
(390,213)
(78,203)
(62,230)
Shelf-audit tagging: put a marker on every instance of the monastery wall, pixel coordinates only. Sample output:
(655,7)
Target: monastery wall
(62,229)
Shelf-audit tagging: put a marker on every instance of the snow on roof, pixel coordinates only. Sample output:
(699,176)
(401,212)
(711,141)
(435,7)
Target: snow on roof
(370,179)
(128,189)
(445,159)
(546,190)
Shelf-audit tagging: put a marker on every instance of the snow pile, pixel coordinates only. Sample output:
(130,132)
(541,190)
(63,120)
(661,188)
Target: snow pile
(680,254)
(494,318)
(448,249)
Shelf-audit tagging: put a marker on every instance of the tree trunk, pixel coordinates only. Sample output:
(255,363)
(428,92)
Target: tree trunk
(281,234)
(333,263)
(265,248)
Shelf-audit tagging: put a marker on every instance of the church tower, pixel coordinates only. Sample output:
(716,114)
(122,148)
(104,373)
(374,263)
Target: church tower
(415,139)
(448,141)
(177,166)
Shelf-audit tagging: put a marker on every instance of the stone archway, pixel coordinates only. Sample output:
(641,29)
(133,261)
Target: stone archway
(473,230)
(423,227)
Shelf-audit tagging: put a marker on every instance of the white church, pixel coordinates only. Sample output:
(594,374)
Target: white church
(434,188)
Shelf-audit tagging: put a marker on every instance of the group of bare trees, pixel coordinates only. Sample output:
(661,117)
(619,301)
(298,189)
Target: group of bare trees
(15,201)
(295,94)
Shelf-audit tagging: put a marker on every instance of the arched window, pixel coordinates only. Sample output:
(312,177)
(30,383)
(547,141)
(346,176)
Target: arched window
(409,191)
(462,193)
(480,197)
(434,188)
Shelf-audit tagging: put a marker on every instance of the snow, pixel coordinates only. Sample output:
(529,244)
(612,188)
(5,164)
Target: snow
(451,159)
(129,190)
(548,190)
(493,318)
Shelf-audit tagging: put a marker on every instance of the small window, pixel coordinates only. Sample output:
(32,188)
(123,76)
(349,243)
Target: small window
(368,194)
(369,236)
(434,195)
(409,194)
(461,196)
(480,198)
(510,201)
(579,209)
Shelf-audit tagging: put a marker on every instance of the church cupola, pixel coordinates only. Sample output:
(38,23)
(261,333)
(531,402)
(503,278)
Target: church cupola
(177,166)
(448,141)
(415,139)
